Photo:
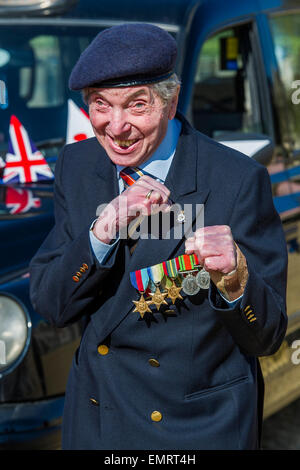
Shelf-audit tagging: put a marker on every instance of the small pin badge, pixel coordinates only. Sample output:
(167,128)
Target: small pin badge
(181,217)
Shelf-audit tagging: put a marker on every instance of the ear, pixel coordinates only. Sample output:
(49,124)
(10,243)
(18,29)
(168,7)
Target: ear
(173,104)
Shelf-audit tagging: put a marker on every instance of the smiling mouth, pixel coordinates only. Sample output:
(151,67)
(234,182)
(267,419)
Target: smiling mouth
(124,144)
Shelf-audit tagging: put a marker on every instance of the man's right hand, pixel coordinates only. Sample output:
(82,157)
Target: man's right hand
(145,197)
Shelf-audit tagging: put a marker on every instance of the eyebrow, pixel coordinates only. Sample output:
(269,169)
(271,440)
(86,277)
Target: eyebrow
(129,97)
(138,93)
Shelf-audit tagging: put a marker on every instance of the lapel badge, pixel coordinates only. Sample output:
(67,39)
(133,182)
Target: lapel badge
(181,217)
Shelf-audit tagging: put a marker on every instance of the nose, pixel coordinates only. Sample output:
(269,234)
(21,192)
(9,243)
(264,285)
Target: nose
(118,123)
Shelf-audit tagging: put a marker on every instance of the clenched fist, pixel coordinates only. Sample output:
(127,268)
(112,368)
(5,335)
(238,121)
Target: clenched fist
(221,257)
(145,197)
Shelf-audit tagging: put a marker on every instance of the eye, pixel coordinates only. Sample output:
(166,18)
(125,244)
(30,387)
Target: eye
(137,106)
(100,103)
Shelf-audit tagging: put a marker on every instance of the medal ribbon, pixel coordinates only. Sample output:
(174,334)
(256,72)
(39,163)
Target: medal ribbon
(156,273)
(187,262)
(171,267)
(140,279)
(195,258)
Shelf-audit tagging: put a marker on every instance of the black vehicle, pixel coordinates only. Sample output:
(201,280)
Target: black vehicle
(240,71)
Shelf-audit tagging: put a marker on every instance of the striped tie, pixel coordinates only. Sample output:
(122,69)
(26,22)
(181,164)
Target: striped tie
(130,175)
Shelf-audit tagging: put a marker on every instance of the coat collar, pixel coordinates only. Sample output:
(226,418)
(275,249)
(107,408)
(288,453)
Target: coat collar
(182,177)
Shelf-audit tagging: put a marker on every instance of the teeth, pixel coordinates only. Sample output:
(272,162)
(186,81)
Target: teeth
(125,143)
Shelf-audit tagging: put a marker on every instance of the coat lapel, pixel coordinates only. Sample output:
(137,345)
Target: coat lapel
(103,186)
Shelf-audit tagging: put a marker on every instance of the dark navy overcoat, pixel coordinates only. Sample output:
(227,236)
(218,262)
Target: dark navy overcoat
(185,379)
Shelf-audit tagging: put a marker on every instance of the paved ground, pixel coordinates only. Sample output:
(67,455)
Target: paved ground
(282,431)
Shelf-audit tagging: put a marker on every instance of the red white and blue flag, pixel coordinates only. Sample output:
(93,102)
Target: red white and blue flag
(79,126)
(20,200)
(24,162)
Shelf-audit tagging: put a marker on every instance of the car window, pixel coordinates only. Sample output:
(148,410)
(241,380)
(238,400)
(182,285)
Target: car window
(285,30)
(225,94)
(35,65)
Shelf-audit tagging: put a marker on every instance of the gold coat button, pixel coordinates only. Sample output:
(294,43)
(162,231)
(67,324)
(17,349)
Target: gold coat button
(103,349)
(85,266)
(94,401)
(154,362)
(156,416)
(76,278)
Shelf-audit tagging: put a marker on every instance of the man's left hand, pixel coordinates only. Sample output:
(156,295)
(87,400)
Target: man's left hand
(221,257)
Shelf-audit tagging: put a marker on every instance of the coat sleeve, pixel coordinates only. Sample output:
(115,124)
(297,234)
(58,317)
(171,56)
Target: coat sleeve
(258,322)
(65,276)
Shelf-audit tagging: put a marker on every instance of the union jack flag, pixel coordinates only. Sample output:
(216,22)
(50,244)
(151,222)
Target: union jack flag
(24,162)
(20,200)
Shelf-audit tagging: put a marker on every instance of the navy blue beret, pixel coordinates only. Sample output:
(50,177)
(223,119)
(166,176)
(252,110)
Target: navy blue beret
(125,55)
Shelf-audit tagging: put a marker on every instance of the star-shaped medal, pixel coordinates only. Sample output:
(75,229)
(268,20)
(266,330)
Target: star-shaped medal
(141,306)
(158,298)
(173,292)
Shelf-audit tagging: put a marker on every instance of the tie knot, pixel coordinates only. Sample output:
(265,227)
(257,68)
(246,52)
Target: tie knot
(130,175)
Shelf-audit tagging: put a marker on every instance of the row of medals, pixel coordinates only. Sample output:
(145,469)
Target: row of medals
(189,282)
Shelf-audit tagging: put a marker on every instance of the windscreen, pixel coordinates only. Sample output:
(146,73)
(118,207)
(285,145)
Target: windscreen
(35,64)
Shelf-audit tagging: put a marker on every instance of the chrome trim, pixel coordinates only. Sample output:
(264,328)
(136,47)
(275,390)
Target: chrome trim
(76,22)
(39,7)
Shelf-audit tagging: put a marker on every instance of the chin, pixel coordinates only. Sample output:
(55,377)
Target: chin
(126,160)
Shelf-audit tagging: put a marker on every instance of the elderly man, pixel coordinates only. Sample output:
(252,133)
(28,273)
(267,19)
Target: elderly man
(173,325)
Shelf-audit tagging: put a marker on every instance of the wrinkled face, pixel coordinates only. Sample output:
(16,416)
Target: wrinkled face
(130,122)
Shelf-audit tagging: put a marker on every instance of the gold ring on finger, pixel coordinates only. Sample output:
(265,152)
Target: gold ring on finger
(148,195)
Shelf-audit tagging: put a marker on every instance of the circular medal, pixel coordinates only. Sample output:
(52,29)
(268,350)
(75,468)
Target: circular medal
(189,285)
(203,279)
